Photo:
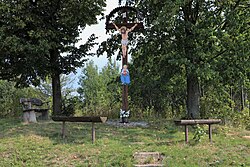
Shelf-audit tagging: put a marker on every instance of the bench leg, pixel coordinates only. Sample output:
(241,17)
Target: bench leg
(93,132)
(45,115)
(210,132)
(186,133)
(63,129)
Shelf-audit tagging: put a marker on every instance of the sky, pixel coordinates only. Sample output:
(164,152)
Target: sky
(100,32)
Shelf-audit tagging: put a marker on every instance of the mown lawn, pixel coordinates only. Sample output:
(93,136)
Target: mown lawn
(40,144)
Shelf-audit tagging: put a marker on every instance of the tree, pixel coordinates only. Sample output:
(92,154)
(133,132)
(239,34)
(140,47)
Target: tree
(90,86)
(67,90)
(99,90)
(196,40)
(38,39)
(111,89)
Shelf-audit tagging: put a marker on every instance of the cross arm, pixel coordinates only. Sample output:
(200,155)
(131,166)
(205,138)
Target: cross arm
(139,26)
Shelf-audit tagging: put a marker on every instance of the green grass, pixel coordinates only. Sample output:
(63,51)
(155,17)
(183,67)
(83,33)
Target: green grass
(40,144)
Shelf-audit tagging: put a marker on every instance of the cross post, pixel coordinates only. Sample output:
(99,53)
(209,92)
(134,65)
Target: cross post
(125,23)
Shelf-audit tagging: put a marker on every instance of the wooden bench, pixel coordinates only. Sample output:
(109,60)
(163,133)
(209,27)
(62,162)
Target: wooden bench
(94,120)
(209,122)
(34,105)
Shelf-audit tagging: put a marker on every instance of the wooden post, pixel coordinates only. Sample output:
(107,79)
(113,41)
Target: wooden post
(63,129)
(45,114)
(125,98)
(125,87)
(186,133)
(125,62)
(93,132)
(210,132)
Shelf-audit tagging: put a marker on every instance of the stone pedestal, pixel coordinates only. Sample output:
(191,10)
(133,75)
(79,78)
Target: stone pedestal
(29,117)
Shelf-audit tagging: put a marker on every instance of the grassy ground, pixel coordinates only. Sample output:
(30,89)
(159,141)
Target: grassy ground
(40,144)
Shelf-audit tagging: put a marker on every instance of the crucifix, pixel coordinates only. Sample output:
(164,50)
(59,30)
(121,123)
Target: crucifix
(124,32)
(124,28)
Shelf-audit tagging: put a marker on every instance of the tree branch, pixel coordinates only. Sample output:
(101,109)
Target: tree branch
(217,55)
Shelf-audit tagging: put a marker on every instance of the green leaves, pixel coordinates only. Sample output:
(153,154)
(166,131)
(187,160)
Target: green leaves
(31,32)
(99,90)
(204,38)
(10,96)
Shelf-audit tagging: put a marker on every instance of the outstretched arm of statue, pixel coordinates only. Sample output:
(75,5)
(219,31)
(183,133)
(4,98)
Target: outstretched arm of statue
(132,28)
(116,27)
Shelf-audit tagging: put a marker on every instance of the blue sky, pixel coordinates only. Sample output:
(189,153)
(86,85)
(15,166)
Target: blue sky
(100,31)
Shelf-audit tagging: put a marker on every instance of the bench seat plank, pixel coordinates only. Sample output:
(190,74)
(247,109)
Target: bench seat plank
(197,121)
(80,119)
(36,110)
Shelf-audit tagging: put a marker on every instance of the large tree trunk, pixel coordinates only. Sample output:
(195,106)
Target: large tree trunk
(56,84)
(191,14)
(242,99)
(57,96)
(193,97)
(232,98)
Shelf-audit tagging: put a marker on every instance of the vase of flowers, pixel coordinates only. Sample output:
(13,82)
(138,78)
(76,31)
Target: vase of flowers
(124,116)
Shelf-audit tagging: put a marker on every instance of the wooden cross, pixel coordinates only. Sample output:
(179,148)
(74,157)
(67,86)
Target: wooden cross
(110,26)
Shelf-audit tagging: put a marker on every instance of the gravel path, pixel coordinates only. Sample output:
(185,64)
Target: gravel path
(130,124)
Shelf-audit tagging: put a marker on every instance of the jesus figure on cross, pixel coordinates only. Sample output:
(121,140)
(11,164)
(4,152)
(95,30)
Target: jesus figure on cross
(124,32)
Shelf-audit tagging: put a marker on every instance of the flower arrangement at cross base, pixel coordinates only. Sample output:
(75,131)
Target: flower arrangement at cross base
(124,114)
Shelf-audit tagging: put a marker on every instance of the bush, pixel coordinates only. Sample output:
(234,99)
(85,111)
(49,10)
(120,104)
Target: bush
(69,106)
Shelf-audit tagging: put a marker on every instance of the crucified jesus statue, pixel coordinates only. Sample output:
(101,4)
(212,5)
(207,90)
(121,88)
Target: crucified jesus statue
(124,32)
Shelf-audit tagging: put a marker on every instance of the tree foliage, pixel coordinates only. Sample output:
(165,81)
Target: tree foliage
(10,98)
(38,38)
(99,90)
(192,39)
(190,51)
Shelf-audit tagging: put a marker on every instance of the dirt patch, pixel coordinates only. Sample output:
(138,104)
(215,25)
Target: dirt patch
(148,159)
(232,133)
(130,124)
